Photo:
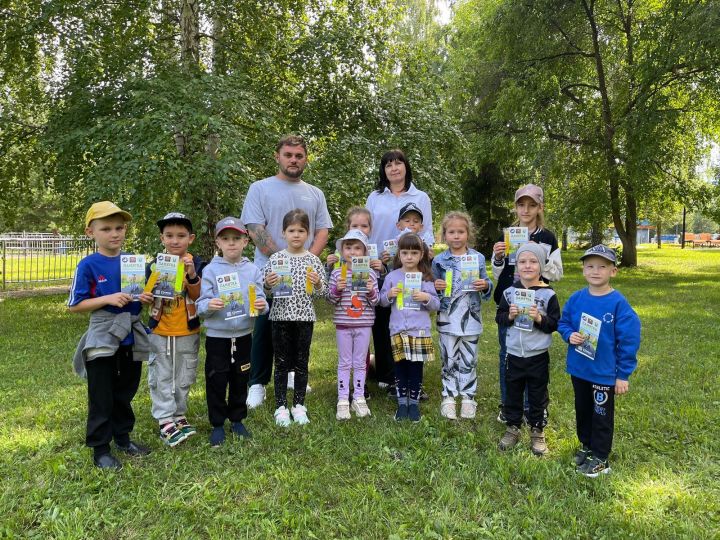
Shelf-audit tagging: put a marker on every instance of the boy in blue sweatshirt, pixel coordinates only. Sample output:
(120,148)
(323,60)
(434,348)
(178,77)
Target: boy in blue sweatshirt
(224,304)
(604,336)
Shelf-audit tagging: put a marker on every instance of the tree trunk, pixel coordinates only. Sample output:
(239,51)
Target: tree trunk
(658,226)
(596,234)
(565,240)
(190,35)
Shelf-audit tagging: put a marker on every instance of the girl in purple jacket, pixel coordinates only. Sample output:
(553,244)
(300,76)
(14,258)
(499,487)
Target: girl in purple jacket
(410,292)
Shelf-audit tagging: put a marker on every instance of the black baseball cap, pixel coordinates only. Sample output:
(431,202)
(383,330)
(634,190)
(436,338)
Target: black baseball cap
(175,218)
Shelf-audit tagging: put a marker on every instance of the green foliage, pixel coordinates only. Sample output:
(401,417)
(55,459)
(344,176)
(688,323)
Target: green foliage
(608,101)
(487,197)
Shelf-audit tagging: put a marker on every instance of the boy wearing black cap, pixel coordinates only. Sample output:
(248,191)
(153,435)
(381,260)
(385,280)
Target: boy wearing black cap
(175,337)
(604,336)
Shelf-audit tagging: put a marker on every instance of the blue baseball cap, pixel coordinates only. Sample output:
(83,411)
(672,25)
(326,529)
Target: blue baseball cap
(600,251)
(410,207)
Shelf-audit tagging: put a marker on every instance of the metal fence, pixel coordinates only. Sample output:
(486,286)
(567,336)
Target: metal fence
(31,260)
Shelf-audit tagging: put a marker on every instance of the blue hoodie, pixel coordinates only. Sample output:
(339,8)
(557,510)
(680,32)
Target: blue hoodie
(619,341)
(214,321)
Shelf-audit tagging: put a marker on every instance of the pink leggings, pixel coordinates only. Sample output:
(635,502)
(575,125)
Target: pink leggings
(353,344)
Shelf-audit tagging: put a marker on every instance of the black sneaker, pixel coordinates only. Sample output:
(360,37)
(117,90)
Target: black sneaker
(423,395)
(392,391)
(134,449)
(401,413)
(594,466)
(107,461)
(582,455)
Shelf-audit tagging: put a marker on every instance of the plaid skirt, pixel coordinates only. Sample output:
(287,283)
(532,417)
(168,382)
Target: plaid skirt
(414,349)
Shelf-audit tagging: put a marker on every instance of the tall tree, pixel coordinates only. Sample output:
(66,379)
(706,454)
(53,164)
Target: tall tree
(627,86)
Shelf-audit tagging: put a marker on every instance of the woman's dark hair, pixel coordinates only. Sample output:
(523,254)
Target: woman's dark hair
(413,242)
(393,155)
(296,217)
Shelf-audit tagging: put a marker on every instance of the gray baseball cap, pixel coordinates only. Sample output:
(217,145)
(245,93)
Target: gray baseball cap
(601,251)
(230,223)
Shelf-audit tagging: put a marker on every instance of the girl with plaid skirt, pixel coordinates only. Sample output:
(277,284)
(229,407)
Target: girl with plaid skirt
(410,292)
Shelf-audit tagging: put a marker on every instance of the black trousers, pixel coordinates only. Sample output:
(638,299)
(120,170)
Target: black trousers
(595,416)
(227,373)
(262,349)
(112,382)
(384,363)
(291,340)
(532,373)
(408,380)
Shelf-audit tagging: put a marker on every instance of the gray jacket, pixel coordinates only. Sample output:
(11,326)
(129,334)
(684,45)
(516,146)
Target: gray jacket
(104,334)
(519,342)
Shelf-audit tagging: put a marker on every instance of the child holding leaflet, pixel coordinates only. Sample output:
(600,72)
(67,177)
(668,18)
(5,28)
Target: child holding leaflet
(603,333)
(109,354)
(301,279)
(529,208)
(226,304)
(529,312)
(410,292)
(175,337)
(353,317)
(462,282)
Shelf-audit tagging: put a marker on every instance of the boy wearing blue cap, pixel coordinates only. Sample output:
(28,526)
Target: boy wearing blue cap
(604,336)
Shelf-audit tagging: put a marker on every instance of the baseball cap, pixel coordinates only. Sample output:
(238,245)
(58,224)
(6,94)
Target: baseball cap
(175,217)
(352,234)
(410,207)
(601,251)
(532,191)
(230,223)
(104,209)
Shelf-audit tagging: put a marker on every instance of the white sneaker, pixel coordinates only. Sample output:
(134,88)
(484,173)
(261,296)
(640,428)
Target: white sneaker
(291,380)
(299,414)
(308,389)
(343,410)
(448,408)
(383,385)
(282,417)
(256,396)
(372,359)
(468,408)
(360,408)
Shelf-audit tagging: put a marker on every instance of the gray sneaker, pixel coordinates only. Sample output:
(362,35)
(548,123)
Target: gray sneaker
(537,442)
(582,455)
(510,439)
(594,466)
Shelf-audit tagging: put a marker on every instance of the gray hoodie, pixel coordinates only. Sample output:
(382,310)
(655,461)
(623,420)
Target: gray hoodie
(214,321)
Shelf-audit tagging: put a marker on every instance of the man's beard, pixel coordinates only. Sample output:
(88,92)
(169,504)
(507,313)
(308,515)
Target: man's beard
(292,174)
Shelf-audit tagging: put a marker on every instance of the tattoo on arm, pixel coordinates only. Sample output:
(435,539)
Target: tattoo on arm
(262,239)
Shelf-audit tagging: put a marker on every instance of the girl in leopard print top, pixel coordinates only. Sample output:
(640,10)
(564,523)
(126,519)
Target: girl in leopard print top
(293,313)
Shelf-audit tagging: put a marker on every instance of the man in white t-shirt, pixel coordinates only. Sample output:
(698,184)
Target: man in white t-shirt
(266,204)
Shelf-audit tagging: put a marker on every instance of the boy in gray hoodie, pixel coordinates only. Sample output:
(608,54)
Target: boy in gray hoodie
(231,296)
(530,310)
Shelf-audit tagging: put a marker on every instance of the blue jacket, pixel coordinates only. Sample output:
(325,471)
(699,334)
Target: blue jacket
(619,341)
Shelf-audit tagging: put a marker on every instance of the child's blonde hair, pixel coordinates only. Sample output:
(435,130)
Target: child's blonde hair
(460,216)
(354,211)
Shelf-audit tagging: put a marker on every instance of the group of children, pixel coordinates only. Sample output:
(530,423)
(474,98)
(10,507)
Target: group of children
(601,328)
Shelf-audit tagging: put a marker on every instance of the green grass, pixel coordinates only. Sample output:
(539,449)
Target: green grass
(375,478)
(38,269)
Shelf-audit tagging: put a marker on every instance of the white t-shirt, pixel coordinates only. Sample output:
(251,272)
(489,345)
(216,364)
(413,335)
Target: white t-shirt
(268,201)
